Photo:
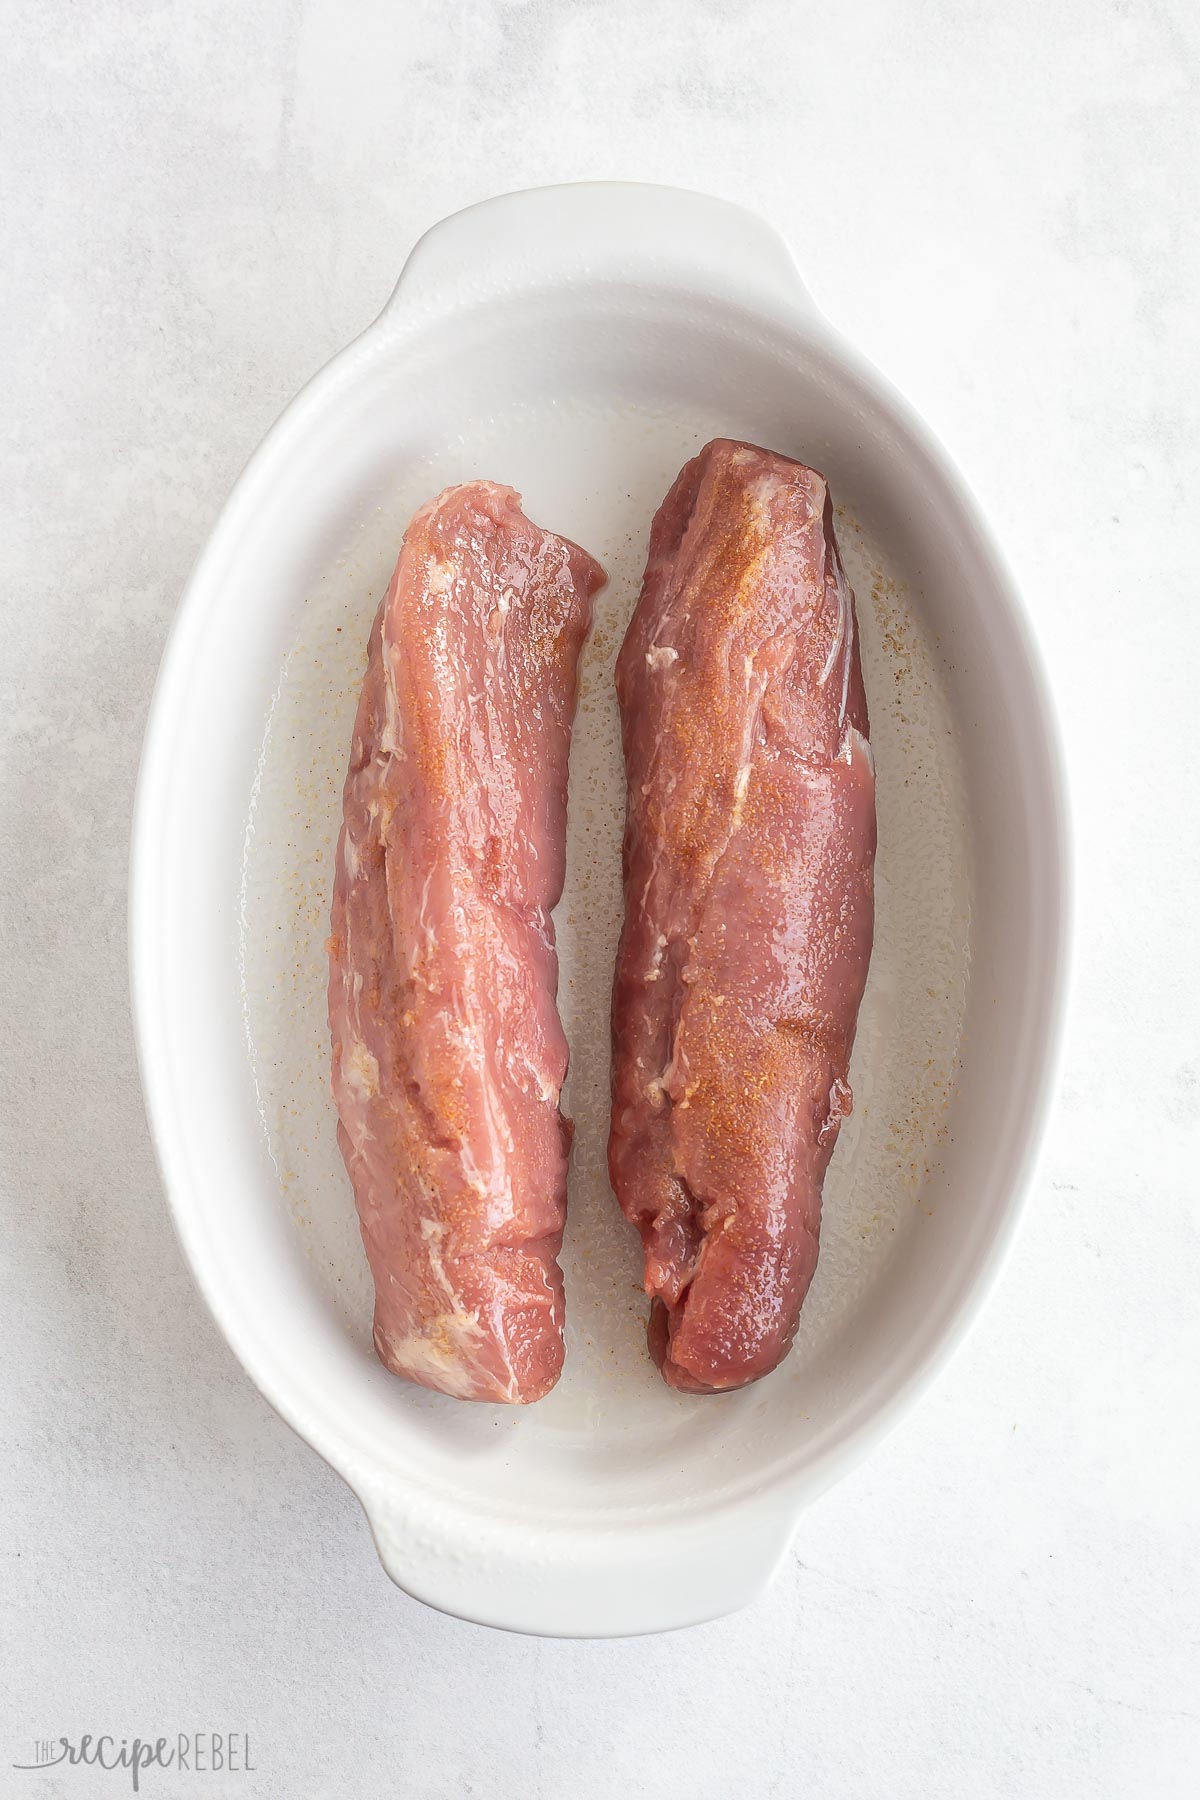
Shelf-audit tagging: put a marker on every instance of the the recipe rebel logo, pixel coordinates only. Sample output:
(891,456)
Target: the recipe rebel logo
(192,1752)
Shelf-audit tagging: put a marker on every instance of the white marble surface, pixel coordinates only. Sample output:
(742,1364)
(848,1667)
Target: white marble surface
(203,201)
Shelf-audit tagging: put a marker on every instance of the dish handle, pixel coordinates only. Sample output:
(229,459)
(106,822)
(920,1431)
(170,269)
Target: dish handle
(633,1577)
(614,230)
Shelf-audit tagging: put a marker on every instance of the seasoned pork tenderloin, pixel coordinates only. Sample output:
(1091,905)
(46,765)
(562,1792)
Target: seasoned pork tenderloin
(448,1053)
(748,864)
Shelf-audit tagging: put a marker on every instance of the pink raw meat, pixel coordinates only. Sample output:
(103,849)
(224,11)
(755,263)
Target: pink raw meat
(448,1054)
(749,854)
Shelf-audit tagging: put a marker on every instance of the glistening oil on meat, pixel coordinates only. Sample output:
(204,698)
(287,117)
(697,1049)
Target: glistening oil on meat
(748,860)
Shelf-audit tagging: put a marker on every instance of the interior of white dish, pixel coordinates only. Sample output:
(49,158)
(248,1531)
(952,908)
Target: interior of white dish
(590,417)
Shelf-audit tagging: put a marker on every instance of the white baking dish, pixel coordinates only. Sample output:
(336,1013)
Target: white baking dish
(580,343)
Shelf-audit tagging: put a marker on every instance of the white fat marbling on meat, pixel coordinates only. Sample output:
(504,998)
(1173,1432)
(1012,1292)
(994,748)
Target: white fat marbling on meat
(439,578)
(855,744)
(444,1358)
(446,1352)
(655,969)
(360,1071)
(838,643)
(389,737)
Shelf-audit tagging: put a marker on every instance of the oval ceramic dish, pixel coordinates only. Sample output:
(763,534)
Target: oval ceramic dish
(580,343)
